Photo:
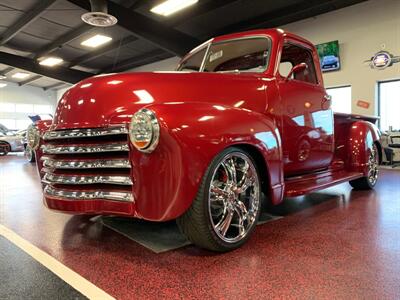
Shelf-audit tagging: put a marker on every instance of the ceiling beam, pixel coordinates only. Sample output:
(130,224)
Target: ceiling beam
(53,86)
(196,10)
(101,51)
(33,78)
(169,39)
(30,16)
(288,14)
(133,61)
(62,40)
(27,64)
(6,71)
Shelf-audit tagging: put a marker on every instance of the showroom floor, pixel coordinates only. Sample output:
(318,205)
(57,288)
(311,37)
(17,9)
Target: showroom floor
(334,244)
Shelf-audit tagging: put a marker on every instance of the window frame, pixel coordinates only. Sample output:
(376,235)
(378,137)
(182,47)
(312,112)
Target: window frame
(211,43)
(379,102)
(307,48)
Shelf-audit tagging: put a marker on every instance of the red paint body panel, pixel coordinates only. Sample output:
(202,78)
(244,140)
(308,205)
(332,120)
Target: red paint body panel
(201,114)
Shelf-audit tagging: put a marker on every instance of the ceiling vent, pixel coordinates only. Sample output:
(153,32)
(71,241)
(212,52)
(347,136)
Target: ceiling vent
(99,16)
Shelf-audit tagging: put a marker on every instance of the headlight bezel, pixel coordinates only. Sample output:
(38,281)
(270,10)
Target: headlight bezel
(151,117)
(33,137)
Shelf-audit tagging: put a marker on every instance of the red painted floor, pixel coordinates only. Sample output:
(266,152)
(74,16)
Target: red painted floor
(345,245)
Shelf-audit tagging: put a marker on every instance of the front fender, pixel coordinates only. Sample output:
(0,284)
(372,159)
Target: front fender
(362,136)
(192,134)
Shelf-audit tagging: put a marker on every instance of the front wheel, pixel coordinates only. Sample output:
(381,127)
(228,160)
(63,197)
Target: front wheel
(29,154)
(368,182)
(227,206)
(4,148)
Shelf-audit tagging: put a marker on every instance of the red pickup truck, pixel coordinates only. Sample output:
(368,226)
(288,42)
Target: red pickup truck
(244,116)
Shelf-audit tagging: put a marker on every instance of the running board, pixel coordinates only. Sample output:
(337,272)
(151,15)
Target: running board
(301,185)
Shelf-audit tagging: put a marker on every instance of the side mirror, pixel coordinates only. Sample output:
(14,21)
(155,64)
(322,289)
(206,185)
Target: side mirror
(296,69)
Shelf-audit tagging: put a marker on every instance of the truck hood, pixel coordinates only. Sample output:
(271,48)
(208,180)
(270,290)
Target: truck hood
(114,98)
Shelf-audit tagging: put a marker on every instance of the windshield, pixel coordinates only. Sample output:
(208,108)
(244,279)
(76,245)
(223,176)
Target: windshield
(242,55)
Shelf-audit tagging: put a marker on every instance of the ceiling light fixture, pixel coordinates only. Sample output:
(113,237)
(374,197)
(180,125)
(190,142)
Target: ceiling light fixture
(20,75)
(2,85)
(2,77)
(99,16)
(172,6)
(96,41)
(51,61)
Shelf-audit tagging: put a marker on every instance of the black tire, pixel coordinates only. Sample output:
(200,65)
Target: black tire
(368,182)
(4,148)
(29,154)
(197,224)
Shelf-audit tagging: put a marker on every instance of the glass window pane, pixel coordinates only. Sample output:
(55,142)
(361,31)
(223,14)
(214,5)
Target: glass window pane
(389,105)
(193,63)
(7,107)
(245,55)
(42,109)
(24,108)
(9,123)
(341,99)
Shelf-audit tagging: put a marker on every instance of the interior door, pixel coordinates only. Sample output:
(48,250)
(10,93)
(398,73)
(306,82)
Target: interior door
(307,119)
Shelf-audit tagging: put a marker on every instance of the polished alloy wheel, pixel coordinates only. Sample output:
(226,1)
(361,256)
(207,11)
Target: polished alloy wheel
(234,197)
(373,163)
(28,153)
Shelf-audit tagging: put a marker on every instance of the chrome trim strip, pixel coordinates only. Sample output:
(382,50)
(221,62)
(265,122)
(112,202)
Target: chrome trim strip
(86,179)
(85,164)
(88,195)
(51,149)
(87,132)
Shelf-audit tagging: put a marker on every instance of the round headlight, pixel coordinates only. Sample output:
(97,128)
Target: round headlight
(33,136)
(144,130)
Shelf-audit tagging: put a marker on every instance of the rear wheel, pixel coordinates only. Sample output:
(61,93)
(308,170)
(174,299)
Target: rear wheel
(227,206)
(368,182)
(4,148)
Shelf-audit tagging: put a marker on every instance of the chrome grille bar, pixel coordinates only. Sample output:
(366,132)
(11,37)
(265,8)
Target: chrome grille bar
(88,195)
(86,179)
(85,164)
(75,149)
(87,132)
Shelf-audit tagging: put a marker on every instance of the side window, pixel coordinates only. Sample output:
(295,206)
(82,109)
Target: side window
(293,55)
(193,63)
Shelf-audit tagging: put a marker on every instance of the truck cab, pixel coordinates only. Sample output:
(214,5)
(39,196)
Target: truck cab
(244,117)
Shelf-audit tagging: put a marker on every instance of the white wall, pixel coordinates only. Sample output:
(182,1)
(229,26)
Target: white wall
(13,93)
(361,30)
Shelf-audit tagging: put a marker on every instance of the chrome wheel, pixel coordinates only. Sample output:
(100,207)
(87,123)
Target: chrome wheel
(234,197)
(28,153)
(373,163)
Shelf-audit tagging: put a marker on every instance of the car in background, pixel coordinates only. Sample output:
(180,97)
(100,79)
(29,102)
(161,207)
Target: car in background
(330,62)
(11,142)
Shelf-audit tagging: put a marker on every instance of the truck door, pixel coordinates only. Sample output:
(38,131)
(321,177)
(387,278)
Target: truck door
(307,119)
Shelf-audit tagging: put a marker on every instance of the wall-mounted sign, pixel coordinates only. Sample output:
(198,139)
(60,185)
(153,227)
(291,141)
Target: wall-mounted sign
(363,104)
(382,60)
(329,56)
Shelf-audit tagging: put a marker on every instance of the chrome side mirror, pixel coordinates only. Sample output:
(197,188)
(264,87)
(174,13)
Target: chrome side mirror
(296,69)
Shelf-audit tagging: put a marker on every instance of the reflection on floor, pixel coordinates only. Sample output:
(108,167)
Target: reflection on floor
(337,243)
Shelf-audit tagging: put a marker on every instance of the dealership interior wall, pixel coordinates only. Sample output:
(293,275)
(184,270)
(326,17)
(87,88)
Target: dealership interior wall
(362,30)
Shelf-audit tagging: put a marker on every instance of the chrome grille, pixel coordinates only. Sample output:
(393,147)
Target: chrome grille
(85,164)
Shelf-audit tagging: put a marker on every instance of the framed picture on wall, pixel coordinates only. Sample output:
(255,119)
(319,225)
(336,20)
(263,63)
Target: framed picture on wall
(329,56)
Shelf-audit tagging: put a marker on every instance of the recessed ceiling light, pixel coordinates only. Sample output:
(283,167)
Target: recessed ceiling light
(3,85)
(171,6)
(20,75)
(96,41)
(51,61)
